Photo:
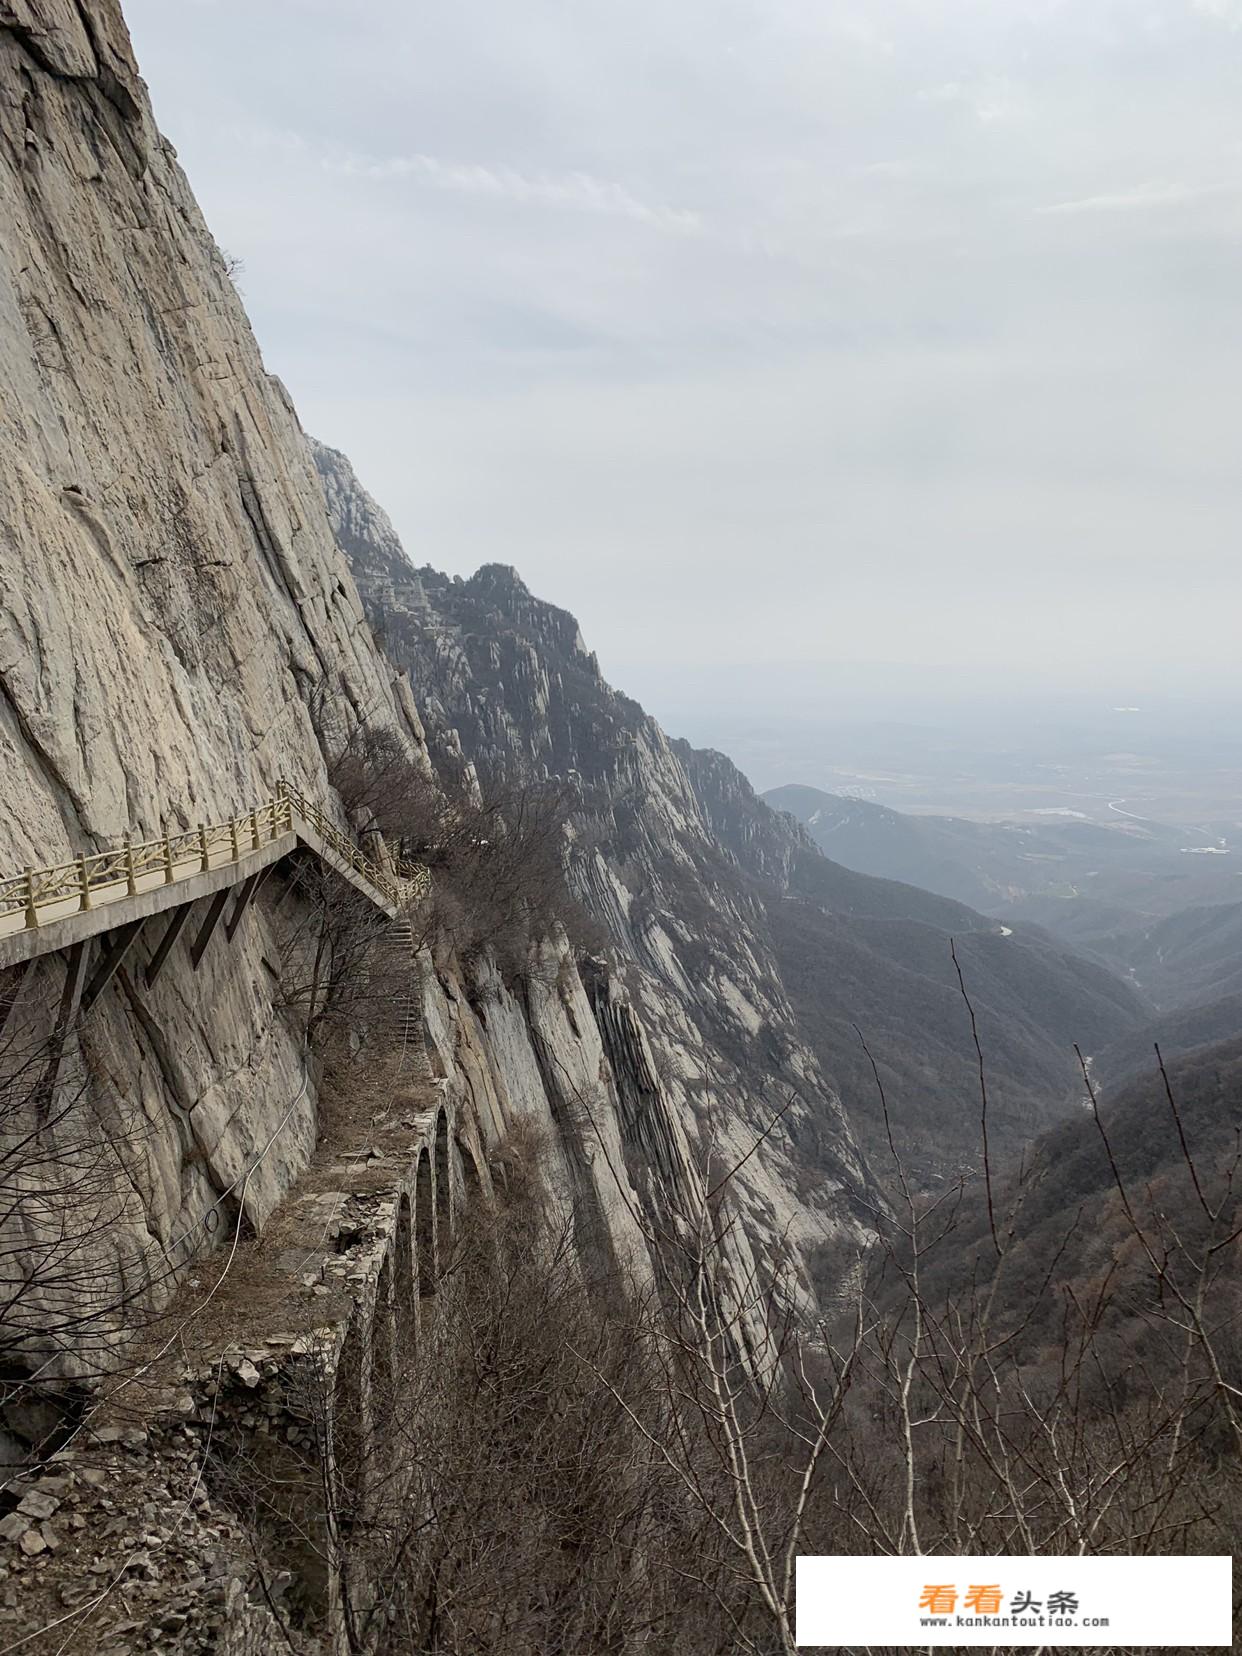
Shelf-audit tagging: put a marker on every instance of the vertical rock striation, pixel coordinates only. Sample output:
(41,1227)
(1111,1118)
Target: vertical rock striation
(697,1024)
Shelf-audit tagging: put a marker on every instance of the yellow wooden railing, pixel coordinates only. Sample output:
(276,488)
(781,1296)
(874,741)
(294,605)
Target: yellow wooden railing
(404,882)
(42,894)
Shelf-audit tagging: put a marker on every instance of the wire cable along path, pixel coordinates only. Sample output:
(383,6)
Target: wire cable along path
(47,909)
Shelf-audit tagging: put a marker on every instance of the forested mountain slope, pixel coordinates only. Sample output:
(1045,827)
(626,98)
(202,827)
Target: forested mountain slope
(1184,960)
(1161,1159)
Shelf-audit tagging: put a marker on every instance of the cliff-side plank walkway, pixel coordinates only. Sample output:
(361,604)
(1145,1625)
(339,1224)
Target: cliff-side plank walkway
(47,909)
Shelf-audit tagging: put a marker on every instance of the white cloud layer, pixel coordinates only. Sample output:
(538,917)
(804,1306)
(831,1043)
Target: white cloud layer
(760,330)
(577,191)
(1224,11)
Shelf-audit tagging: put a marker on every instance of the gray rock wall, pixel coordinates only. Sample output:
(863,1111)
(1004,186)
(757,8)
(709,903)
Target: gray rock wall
(172,605)
(667,843)
(179,629)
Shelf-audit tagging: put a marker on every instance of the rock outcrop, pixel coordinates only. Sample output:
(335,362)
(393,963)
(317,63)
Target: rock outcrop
(507,681)
(754,959)
(178,629)
(174,615)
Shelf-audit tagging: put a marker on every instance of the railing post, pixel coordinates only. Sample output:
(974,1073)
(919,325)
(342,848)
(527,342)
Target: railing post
(236,841)
(203,847)
(275,834)
(32,908)
(131,876)
(169,871)
(255,841)
(84,876)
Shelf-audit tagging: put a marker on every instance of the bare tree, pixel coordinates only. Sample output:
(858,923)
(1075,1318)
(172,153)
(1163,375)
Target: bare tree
(498,858)
(342,972)
(939,1405)
(76,1281)
(379,780)
(488,1494)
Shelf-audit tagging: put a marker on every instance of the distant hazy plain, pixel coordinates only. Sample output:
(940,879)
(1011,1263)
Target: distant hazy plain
(930,741)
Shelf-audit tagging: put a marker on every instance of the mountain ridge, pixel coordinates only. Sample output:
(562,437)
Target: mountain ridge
(1074,876)
(680,840)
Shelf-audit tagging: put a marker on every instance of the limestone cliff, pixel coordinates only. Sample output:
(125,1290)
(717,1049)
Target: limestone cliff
(755,959)
(507,681)
(212,1212)
(178,630)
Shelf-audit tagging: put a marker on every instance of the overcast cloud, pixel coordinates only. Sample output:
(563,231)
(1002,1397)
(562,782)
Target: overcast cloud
(759,331)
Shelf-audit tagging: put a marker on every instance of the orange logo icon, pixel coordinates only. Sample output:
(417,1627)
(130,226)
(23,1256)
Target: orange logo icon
(985,1600)
(940,1601)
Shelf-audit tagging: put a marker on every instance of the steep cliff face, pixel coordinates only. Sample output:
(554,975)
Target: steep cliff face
(170,600)
(506,680)
(756,958)
(171,590)
(178,630)
(212,1208)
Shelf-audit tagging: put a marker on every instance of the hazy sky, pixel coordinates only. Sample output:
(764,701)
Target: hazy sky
(759,331)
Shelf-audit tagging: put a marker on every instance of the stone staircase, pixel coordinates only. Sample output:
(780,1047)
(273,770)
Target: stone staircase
(406,1026)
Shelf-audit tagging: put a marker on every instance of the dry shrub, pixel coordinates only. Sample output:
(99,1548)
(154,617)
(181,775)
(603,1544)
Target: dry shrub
(498,859)
(341,973)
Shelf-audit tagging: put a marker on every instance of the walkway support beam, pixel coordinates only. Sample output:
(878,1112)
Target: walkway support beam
(249,891)
(172,932)
(208,926)
(120,942)
(65,1034)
